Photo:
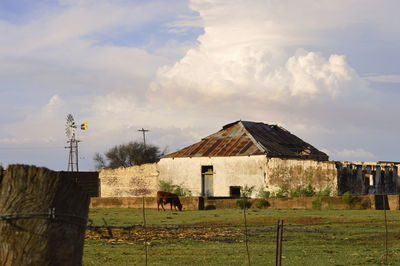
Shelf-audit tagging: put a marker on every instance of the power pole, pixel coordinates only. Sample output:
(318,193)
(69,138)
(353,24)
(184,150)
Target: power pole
(144,136)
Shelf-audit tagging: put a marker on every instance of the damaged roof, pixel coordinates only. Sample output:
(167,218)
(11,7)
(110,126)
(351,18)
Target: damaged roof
(245,138)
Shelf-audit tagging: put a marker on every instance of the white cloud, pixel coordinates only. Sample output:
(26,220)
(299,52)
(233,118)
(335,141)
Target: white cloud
(243,53)
(268,61)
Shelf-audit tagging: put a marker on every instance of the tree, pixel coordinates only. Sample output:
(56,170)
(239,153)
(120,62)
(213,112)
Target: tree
(125,155)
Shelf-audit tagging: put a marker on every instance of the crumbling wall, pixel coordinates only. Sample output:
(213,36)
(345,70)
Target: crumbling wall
(292,173)
(134,181)
(361,178)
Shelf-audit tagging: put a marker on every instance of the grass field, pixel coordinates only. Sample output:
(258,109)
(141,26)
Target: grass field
(217,237)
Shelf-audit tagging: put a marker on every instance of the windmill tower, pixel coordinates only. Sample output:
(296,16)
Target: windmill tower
(70,128)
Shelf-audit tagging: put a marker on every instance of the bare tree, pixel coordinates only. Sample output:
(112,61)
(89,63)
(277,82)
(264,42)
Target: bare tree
(125,155)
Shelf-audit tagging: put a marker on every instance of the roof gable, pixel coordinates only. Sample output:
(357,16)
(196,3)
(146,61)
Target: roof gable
(244,138)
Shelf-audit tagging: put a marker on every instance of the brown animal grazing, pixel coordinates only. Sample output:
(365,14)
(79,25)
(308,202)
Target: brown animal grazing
(167,197)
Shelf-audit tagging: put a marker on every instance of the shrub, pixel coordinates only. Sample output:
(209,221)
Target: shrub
(166,186)
(307,191)
(283,192)
(179,190)
(317,203)
(262,193)
(324,192)
(347,198)
(243,203)
(262,203)
(247,191)
(350,200)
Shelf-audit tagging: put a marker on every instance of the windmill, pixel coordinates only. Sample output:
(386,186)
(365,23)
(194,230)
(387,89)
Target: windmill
(70,128)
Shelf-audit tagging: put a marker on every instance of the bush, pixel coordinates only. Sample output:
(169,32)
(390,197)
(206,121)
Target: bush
(307,191)
(283,192)
(247,191)
(262,203)
(350,200)
(179,190)
(325,192)
(347,198)
(243,203)
(262,193)
(317,203)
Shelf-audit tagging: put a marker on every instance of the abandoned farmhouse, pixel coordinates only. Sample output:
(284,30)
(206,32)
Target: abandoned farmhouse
(247,153)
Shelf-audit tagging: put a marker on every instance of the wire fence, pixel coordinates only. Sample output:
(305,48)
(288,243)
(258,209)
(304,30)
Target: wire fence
(332,242)
(336,242)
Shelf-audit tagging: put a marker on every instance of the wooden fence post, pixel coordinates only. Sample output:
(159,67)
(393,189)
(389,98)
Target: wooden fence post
(279,233)
(43,216)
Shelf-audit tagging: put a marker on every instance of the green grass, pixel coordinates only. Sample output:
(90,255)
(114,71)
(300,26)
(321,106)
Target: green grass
(311,237)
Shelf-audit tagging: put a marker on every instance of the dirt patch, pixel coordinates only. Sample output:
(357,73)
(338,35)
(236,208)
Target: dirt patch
(136,234)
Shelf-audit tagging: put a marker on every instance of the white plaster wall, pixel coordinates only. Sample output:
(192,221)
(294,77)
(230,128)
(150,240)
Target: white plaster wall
(228,171)
(138,180)
(295,172)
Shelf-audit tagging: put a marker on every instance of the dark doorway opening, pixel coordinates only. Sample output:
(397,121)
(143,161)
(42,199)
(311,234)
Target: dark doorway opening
(234,191)
(207,180)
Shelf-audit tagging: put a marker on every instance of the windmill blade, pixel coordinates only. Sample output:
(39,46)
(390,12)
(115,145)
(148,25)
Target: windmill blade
(70,127)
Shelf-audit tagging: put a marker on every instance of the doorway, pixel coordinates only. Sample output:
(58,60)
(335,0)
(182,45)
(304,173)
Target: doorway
(207,180)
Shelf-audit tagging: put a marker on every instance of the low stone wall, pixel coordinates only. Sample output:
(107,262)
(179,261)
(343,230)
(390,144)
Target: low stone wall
(188,203)
(200,203)
(394,202)
(279,203)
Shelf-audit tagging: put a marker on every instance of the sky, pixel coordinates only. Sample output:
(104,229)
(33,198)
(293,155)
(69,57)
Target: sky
(327,71)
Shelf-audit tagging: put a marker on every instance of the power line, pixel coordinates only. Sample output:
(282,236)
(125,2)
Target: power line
(30,148)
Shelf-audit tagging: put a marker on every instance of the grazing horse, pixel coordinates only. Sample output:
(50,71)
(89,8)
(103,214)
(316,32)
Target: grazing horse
(167,197)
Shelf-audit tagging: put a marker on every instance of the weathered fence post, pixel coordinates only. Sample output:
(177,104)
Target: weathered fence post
(279,232)
(43,217)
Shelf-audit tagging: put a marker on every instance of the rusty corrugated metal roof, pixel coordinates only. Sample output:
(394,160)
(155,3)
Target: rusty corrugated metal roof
(243,138)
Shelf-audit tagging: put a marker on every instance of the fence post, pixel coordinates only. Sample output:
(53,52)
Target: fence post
(43,216)
(279,232)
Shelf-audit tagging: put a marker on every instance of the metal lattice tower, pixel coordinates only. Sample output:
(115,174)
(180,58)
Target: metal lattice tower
(73,162)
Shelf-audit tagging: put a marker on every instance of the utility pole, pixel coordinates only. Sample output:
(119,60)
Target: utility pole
(144,136)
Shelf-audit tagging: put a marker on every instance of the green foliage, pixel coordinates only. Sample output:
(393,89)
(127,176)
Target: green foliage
(352,202)
(347,198)
(262,193)
(125,155)
(307,191)
(262,203)
(283,192)
(317,203)
(243,203)
(166,186)
(324,192)
(179,190)
(246,191)
(182,191)
(299,191)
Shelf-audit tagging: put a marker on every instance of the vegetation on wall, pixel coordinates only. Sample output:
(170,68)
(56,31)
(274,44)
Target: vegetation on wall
(262,203)
(299,191)
(179,190)
(125,155)
(244,202)
(263,193)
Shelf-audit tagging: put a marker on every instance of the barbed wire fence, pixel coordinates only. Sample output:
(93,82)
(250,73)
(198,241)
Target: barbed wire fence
(248,232)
